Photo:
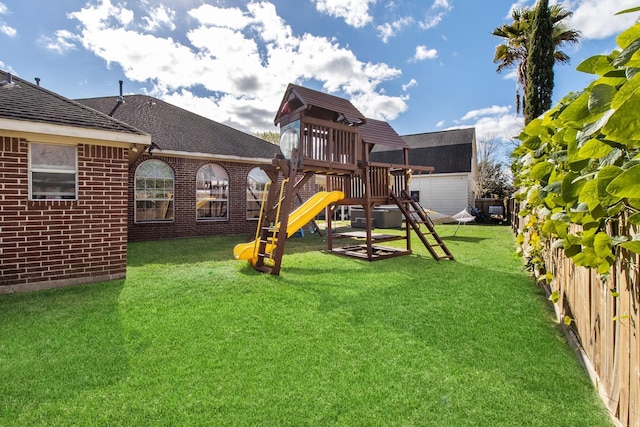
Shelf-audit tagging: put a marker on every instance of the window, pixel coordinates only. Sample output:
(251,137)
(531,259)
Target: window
(53,172)
(257,181)
(212,193)
(154,191)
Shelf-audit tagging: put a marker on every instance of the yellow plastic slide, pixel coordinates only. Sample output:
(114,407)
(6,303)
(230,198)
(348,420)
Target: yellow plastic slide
(298,218)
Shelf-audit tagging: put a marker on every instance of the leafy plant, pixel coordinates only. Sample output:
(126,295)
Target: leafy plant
(579,163)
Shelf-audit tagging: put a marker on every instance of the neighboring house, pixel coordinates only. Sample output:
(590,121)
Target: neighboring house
(199,178)
(451,187)
(63,189)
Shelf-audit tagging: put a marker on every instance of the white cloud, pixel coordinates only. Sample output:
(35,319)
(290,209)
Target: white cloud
(423,53)
(8,68)
(354,12)
(442,4)
(494,109)
(209,15)
(63,41)
(511,75)
(495,122)
(440,124)
(388,30)
(596,19)
(6,29)
(160,16)
(235,63)
(411,84)
(380,107)
(431,21)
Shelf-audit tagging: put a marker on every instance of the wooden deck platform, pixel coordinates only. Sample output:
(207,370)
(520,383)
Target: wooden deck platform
(378,252)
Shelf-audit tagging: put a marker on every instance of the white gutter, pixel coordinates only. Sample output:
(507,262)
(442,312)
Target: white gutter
(189,155)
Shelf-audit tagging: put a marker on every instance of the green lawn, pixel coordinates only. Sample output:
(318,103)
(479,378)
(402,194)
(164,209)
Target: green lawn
(192,337)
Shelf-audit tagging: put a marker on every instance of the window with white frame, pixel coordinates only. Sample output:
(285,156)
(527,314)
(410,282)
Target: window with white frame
(154,191)
(53,172)
(257,181)
(212,193)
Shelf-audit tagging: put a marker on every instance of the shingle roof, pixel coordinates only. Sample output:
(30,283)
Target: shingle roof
(176,129)
(25,101)
(313,98)
(448,151)
(381,133)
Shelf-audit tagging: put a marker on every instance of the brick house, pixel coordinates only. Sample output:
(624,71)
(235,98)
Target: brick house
(199,177)
(63,189)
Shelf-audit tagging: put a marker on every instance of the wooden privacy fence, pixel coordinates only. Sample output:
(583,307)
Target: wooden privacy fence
(604,315)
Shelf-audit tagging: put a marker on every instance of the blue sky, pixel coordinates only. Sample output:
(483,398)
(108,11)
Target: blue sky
(423,65)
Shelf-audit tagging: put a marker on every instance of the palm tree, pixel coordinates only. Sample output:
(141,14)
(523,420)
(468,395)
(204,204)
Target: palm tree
(514,49)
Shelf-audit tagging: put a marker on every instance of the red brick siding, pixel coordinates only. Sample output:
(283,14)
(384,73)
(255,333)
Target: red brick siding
(185,223)
(53,243)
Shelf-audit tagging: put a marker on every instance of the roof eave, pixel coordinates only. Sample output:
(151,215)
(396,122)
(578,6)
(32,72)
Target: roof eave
(49,131)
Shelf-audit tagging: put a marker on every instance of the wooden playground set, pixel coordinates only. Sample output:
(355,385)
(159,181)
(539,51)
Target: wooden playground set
(322,134)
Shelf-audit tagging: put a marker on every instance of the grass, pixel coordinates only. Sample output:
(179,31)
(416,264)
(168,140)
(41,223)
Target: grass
(192,337)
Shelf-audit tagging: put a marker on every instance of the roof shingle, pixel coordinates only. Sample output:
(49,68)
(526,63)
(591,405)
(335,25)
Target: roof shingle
(176,129)
(22,100)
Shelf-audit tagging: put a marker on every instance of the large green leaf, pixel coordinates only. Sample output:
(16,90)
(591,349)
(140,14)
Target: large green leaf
(633,9)
(589,194)
(633,245)
(605,176)
(598,64)
(600,98)
(631,72)
(602,245)
(576,163)
(612,158)
(570,189)
(623,126)
(634,202)
(627,184)
(626,91)
(532,142)
(586,258)
(628,36)
(626,55)
(577,113)
(541,170)
(634,219)
(593,128)
(594,149)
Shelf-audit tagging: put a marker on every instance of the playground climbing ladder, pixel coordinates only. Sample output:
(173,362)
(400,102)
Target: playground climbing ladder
(415,216)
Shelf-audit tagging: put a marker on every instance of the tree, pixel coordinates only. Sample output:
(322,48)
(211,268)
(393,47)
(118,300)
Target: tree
(514,50)
(269,136)
(494,178)
(539,72)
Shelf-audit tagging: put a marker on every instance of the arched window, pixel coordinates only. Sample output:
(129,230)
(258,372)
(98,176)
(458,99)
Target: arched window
(257,181)
(154,191)
(212,193)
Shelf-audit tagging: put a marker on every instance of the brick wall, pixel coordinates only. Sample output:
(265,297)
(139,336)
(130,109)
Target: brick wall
(185,223)
(48,243)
